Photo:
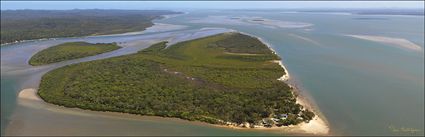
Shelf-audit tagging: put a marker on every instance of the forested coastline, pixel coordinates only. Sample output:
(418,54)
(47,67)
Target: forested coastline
(192,80)
(18,25)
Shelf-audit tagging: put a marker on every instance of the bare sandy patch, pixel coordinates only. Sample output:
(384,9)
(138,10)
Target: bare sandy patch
(29,94)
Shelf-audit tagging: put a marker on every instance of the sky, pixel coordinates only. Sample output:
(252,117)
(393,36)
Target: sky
(52,5)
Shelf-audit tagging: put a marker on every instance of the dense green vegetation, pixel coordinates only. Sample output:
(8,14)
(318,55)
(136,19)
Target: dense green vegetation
(70,50)
(189,80)
(19,25)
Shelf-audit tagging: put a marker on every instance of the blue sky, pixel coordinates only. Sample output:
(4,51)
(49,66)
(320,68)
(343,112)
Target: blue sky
(206,5)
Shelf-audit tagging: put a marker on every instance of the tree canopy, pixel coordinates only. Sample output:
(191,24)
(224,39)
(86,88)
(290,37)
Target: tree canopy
(70,50)
(189,80)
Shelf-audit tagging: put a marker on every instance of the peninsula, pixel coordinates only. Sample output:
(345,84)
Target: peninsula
(227,79)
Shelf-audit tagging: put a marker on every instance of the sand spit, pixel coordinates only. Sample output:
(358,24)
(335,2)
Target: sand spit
(398,42)
(317,125)
(29,94)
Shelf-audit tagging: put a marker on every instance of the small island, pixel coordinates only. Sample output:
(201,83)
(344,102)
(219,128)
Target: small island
(70,50)
(227,79)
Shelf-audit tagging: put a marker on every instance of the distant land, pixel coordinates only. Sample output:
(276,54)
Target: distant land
(18,25)
(414,12)
(368,11)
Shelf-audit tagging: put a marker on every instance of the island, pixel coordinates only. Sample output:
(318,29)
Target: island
(70,50)
(227,79)
(20,25)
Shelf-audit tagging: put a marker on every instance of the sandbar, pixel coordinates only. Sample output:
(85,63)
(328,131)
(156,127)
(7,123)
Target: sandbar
(29,94)
(397,42)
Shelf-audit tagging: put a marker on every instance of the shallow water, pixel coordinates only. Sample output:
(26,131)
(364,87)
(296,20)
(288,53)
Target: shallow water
(7,84)
(362,87)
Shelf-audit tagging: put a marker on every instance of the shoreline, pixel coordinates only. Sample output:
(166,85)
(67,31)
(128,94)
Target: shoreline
(316,126)
(161,17)
(284,77)
(28,97)
(29,94)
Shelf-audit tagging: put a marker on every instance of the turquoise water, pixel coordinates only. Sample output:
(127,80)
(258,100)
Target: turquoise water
(361,87)
(8,96)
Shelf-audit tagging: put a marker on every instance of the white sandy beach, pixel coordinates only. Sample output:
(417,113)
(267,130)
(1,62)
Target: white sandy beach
(284,77)
(317,126)
(398,42)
